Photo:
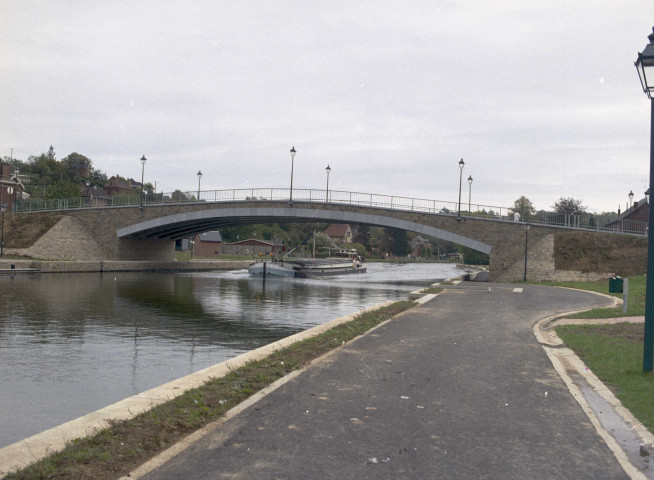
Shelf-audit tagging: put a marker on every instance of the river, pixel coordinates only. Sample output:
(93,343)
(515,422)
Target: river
(73,343)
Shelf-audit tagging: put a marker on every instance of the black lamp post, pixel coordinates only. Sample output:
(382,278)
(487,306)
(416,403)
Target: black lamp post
(469,192)
(290,200)
(3,207)
(645,66)
(143,160)
(631,198)
(328,170)
(527,227)
(199,178)
(461,164)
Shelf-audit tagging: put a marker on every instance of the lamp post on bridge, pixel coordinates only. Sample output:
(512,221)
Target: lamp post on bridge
(469,193)
(143,160)
(199,178)
(461,164)
(328,170)
(631,198)
(290,198)
(645,67)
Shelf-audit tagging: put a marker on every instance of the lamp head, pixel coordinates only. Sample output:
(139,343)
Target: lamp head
(645,66)
(143,160)
(293,151)
(461,164)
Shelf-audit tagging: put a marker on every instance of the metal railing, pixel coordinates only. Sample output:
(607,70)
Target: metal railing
(583,222)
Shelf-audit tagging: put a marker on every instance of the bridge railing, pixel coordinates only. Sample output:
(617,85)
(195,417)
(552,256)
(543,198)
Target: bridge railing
(318,196)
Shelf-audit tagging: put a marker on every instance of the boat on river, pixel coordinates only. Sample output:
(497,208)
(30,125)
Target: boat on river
(339,262)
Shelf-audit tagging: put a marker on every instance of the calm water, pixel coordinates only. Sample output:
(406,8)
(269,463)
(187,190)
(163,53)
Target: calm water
(73,343)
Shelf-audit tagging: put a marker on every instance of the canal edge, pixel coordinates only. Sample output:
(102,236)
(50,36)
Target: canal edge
(24,452)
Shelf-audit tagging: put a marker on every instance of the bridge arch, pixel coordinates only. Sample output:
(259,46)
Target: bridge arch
(190,223)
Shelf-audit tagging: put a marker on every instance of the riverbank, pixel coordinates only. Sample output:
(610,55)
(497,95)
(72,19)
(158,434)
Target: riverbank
(120,441)
(42,266)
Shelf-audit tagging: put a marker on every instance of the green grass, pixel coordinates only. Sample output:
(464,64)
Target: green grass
(635,303)
(615,354)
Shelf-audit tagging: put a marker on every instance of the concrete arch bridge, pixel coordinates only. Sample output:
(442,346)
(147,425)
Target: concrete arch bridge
(148,233)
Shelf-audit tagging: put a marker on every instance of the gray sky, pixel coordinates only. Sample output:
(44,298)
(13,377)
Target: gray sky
(539,98)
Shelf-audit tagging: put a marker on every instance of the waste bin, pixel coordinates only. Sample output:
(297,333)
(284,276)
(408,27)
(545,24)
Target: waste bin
(615,285)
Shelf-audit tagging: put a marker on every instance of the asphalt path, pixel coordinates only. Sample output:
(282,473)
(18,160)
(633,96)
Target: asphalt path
(458,387)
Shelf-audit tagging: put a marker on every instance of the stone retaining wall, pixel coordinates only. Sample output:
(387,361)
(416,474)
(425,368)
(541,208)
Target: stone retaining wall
(121,266)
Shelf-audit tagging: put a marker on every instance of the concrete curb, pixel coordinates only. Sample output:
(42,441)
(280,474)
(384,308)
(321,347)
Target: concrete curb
(22,453)
(568,364)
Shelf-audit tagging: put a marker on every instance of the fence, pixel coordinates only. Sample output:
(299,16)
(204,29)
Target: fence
(583,222)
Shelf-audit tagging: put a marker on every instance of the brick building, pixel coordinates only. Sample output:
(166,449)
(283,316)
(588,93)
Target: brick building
(9,181)
(339,232)
(208,244)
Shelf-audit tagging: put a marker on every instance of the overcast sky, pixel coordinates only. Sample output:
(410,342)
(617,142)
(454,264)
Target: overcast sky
(539,98)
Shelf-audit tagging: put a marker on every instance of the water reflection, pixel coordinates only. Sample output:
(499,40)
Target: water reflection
(73,343)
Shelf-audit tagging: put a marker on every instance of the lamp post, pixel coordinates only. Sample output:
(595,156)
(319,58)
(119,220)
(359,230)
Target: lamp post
(461,164)
(645,66)
(290,199)
(328,170)
(527,227)
(199,178)
(469,192)
(631,198)
(3,207)
(143,160)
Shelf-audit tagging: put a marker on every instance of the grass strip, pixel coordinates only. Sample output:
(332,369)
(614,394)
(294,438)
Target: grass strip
(615,353)
(635,301)
(114,451)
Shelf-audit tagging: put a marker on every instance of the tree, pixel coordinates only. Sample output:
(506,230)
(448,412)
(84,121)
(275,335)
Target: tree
(570,206)
(524,207)
(400,246)
(63,189)
(76,166)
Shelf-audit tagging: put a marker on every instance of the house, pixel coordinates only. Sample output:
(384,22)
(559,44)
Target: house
(419,246)
(632,220)
(254,247)
(339,232)
(117,185)
(208,244)
(9,183)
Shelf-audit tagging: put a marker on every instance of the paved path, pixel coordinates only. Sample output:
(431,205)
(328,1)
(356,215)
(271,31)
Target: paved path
(456,388)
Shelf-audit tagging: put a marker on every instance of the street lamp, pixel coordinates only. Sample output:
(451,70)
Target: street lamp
(631,197)
(3,207)
(199,178)
(527,227)
(328,170)
(143,160)
(469,192)
(461,164)
(290,199)
(645,66)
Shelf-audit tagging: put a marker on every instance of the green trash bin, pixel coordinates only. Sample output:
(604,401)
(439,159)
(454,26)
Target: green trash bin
(616,285)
